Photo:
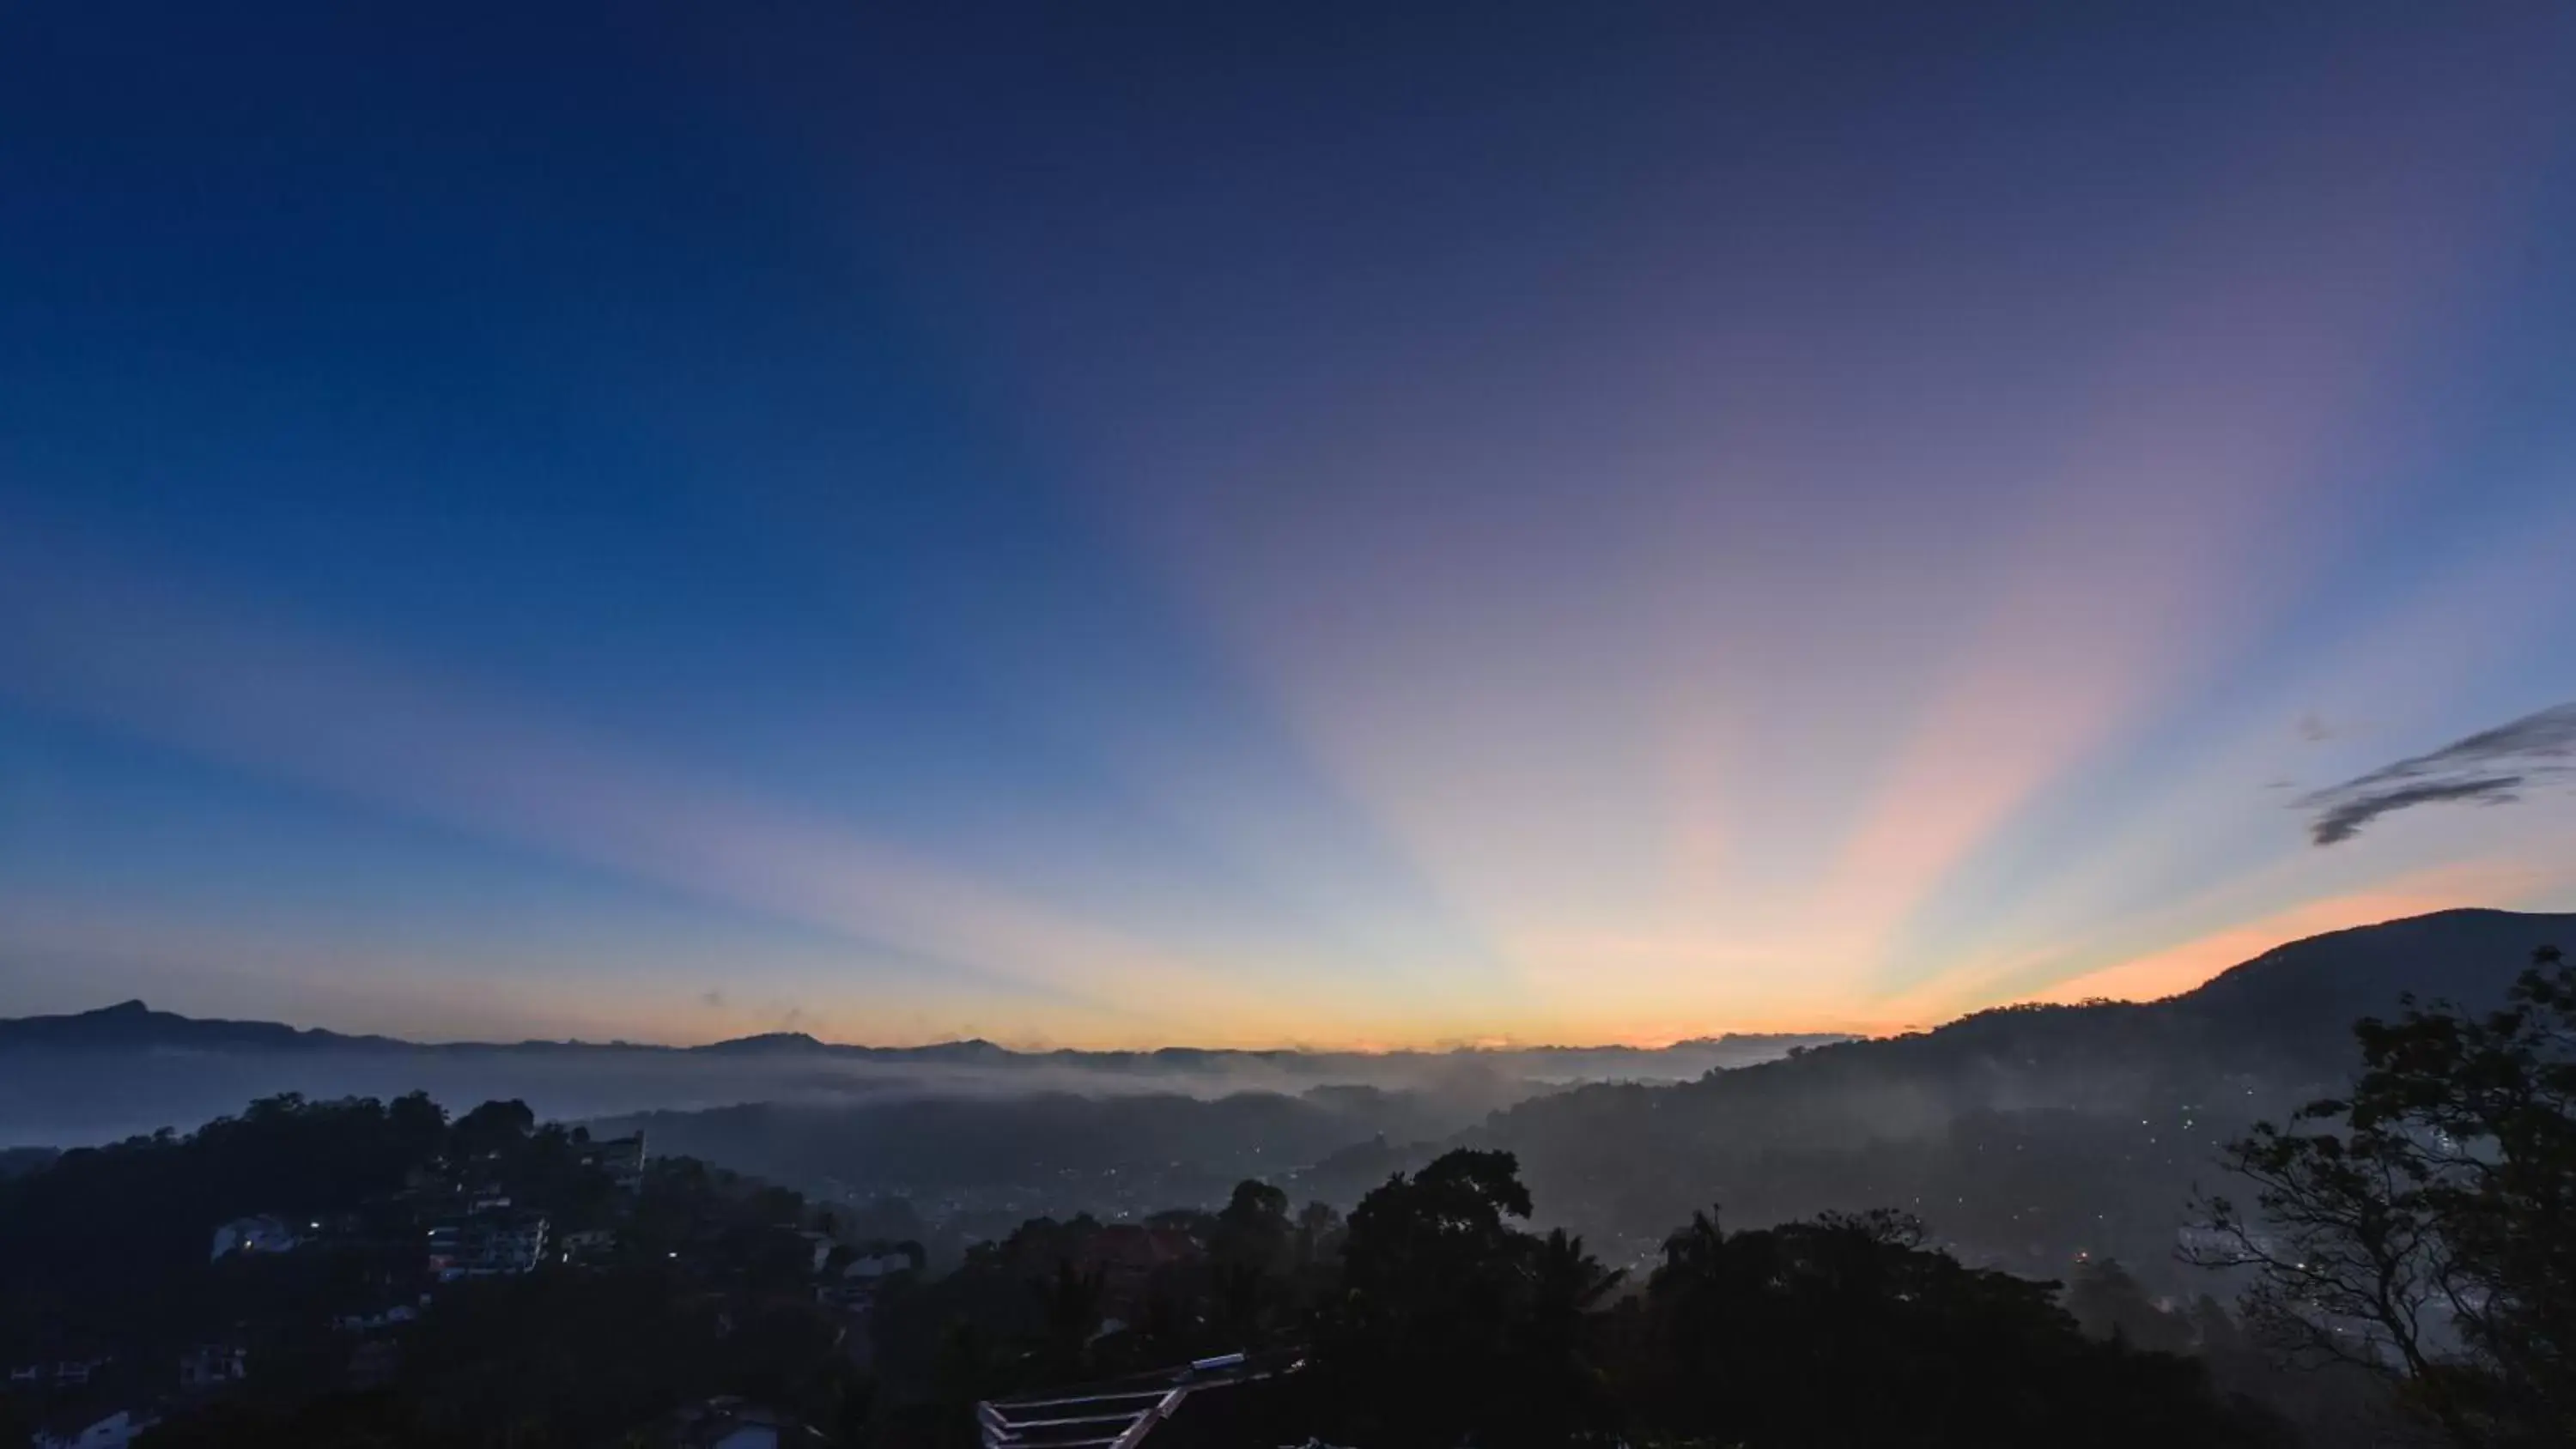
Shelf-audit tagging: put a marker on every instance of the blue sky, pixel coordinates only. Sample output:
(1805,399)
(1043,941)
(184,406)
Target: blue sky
(1264,524)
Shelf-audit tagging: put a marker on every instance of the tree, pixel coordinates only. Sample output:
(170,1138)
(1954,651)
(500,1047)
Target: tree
(2424,1227)
(1453,1325)
(1072,1307)
(2109,1302)
(492,1127)
(1253,1229)
(1848,1331)
(1562,1389)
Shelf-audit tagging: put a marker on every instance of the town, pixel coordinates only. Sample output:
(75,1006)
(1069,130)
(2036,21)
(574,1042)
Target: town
(379,1238)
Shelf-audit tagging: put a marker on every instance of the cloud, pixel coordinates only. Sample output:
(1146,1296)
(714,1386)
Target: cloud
(2489,767)
(2343,820)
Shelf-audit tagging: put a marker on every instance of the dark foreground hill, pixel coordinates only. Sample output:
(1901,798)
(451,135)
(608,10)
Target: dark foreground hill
(2024,1135)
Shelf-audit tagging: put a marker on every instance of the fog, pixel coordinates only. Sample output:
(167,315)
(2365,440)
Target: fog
(84,1096)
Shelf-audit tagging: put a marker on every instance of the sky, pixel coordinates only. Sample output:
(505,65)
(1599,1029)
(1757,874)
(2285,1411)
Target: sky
(1269,524)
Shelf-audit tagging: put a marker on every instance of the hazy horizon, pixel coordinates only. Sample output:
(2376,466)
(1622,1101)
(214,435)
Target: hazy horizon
(1023,1047)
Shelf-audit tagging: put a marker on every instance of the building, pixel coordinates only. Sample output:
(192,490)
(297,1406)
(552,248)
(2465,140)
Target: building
(855,1288)
(393,1317)
(73,1372)
(481,1247)
(820,1246)
(210,1365)
(731,1423)
(60,1373)
(373,1363)
(622,1158)
(265,1233)
(92,1430)
(870,1267)
(1230,1400)
(587,1246)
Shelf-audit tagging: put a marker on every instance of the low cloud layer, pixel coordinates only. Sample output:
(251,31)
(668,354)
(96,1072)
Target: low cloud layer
(2490,767)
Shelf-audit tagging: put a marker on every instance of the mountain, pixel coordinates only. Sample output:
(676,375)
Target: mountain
(131,1026)
(125,1069)
(2302,998)
(2021,1135)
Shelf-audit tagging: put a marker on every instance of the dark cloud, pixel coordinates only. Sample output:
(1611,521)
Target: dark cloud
(2489,767)
(2343,821)
(2314,729)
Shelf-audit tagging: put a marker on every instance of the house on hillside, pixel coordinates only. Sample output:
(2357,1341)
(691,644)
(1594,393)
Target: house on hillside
(857,1284)
(90,1429)
(65,1373)
(373,1363)
(486,1245)
(820,1246)
(380,1321)
(210,1365)
(622,1158)
(732,1423)
(882,1263)
(589,1245)
(263,1233)
(74,1372)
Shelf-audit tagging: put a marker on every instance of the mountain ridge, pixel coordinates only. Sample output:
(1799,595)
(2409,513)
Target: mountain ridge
(2313,974)
(132,1023)
(2023,1133)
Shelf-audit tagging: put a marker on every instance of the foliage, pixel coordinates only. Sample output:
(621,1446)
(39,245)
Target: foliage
(1847,1331)
(2424,1226)
(2023,1137)
(1452,1324)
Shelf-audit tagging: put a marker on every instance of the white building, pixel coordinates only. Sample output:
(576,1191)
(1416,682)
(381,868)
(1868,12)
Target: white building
(622,1158)
(209,1364)
(113,1431)
(264,1233)
(873,1266)
(483,1246)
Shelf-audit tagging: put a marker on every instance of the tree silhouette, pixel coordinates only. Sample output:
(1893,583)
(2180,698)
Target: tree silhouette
(1846,1331)
(1452,1325)
(2425,1226)
(1072,1306)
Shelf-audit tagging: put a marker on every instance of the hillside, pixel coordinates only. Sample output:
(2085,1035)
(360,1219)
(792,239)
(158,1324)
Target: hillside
(998,1160)
(2022,1135)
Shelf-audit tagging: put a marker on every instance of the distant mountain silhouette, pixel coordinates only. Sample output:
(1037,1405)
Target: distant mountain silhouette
(67,1080)
(2028,1132)
(2022,1135)
(2305,996)
(130,1025)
